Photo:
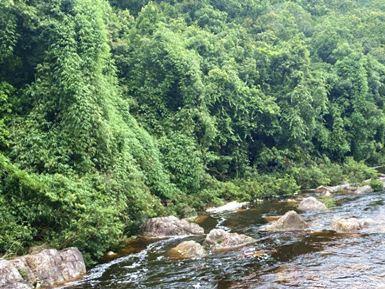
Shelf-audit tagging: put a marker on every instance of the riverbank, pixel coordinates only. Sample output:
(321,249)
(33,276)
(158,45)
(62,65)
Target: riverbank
(90,227)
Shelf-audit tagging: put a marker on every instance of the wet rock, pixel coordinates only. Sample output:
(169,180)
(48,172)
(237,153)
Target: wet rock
(170,226)
(311,204)
(201,219)
(291,201)
(363,190)
(349,225)
(271,219)
(10,277)
(229,207)
(45,269)
(110,255)
(220,240)
(187,250)
(291,221)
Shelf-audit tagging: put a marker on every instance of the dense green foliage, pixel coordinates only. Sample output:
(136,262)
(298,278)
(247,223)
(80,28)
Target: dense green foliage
(113,112)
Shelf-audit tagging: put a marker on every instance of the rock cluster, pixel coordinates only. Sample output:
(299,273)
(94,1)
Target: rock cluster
(345,188)
(46,269)
(217,240)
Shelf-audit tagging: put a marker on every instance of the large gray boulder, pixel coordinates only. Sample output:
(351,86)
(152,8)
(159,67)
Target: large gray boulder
(311,204)
(187,250)
(291,221)
(46,269)
(220,240)
(170,226)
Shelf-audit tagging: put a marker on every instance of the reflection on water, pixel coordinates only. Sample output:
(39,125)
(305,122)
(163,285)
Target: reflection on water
(319,258)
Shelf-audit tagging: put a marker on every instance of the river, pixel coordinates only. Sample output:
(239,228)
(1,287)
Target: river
(316,258)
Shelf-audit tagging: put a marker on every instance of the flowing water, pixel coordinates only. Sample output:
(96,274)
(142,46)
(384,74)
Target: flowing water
(318,258)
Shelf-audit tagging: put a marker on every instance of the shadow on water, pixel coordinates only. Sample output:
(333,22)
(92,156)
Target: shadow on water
(318,258)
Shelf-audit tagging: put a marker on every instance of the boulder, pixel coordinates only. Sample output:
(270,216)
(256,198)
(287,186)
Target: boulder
(10,277)
(229,207)
(170,226)
(363,190)
(46,269)
(187,250)
(311,204)
(349,225)
(220,240)
(291,221)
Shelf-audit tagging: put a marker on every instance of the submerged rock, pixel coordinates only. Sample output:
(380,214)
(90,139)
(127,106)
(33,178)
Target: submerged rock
(291,221)
(229,207)
(311,204)
(349,225)
(46,269)
(187,250)
(220,240)
(170,226)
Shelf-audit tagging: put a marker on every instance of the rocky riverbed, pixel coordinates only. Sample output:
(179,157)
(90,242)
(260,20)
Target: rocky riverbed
(337,247)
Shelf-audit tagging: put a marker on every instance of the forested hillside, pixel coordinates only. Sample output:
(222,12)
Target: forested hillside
(113,112)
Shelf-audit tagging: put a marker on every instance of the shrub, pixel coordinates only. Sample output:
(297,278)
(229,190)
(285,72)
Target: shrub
(376,185)
(329,202)
(310,177)
(357,172)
